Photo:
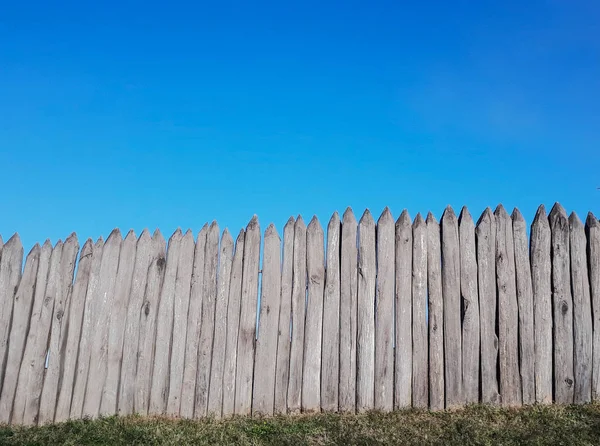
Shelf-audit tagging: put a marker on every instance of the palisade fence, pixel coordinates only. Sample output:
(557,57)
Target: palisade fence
(368,316)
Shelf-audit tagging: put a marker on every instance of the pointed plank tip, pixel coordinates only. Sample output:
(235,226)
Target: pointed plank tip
(431,218)
(271,230)
(404,219)
(517,216)
(47,243)
(131,235)
(290,221)
(449,213)
(14,240)
(349,216)
(575,221)
(386,216)
(367,218)
(419,221)
(591,221)
(35,250)
(300,221)
(558,211)
(500,212)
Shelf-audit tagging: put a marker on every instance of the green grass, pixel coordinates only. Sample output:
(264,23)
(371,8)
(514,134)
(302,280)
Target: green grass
(576,425)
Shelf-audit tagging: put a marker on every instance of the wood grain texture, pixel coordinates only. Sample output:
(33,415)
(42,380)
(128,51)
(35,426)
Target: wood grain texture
(452,309)
(408,335)
(525,302)
(294,394)
(233,324)
(541,271)
(143,257)
(582,312)
(384,313)
(282,371)
(562,307)
(348,312)
(180,318)
(265,359)
(247,331)
(365,345)
(436,315)
(215,393)
(148,324)
(188,390)
(470,304)
(485,233)
(23,304)
(593,238)
(330,363)
(313,330)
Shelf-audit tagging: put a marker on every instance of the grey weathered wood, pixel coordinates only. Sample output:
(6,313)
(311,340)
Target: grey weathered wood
(348,312)
(99,347)
(508,311)
(90,315)
(525,301)
(541,270)
(403,383)
(23,304)
(282,371)
(233,324)
(58,331)
(159,390)
(486,279)
(143,257)
(77,306)
(11,263)
(452,309)
(384,313)
(470,305)
(180,317)
(313,329)
(265,359)
(117,324)
(562,307)
(188,390)
(294,394)
(365,345)
(215,393)
(148,322)
(247,331)
(593,238)
(412,376)
(582,312)
(435,315)
(330,362)
(207,328)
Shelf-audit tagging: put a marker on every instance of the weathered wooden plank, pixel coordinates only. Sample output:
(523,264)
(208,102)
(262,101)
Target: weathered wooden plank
(58,331)
(188,390)
(330,363)
(215,393)
(348,312)
(508,310)
(143,257)
(294,394)
(541,270)
(485,232)
(233,324)
(365,345)
(415,380)
(207,329)
(452,309)
(11,263)
(247,331)
(313,329)
(582,312)
(159,390)
(562,307)
(282,371)
(525,301)
(90,315)
(99,347)
(384,313)
(435,315)
(18,333)
(593,239)
(180,317)
(118,321)
(148,323)
(265,359)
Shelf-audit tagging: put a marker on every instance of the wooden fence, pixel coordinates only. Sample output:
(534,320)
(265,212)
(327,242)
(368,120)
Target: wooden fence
(368,316)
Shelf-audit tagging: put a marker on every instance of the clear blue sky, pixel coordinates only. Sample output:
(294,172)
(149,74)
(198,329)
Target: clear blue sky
(144,114)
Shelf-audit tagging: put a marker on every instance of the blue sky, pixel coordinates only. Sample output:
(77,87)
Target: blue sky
(145,114)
